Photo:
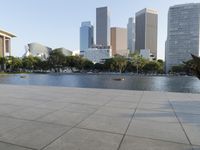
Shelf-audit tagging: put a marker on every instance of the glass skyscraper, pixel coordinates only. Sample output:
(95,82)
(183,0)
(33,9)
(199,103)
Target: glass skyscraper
(131,34)
(86,36)
(183,37)
(102,26)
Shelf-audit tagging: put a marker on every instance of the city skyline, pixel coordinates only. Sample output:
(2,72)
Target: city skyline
(60,28)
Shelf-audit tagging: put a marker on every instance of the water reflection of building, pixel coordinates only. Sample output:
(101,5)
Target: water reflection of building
(5,43)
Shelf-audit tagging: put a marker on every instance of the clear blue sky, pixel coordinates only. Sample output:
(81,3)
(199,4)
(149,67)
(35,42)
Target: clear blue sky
(56,23)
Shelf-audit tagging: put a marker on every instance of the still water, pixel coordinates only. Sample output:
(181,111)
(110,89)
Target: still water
(150,83)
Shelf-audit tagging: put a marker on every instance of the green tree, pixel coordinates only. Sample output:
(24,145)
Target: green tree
(138,61)
(109,65)
(87,65)
(56,59)
(151,67)
(120,63)
(2,63)
(98,67)
(195,66)
(29,63)
(178,69)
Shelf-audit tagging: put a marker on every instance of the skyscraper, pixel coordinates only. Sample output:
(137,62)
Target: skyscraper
(119,41)
(86,36)
(102,26)
(183,36)
(146,30)
(131,34)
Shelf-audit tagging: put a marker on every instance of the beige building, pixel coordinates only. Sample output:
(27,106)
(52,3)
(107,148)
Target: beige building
(5,43)
(119,41)
(147,30)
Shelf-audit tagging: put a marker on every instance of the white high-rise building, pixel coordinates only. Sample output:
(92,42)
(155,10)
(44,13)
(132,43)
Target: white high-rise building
(183,37)
(131,35)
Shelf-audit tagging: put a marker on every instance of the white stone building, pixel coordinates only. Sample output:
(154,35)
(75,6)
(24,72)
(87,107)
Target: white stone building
(183,37)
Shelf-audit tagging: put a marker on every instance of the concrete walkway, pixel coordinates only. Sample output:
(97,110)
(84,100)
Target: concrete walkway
(58,118)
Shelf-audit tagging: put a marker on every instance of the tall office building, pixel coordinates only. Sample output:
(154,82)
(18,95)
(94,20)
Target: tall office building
(86,36)
(119,41)
(146,30)
(183,38)
(131,35)
(102,26)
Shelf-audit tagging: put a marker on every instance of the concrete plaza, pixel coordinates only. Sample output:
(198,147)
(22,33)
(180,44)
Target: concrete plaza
(60,118)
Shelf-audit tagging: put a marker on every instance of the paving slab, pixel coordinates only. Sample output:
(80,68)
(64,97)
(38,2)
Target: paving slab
(158,130)
(115,112)
(41,117)
(9,108)
(80,139)
(156,115)
(186,107)
(136,143)
(106,123)
(33,134)
(6,146)
(193,132)
(192,119)
(121,104)
(155,106)
(81,108)
(30,113)
(63,117)
(7,124)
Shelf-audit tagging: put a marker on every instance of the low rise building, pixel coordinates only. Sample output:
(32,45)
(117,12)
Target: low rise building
(37,50)
(96,55)
(65,51)
(5,43)
(146,54)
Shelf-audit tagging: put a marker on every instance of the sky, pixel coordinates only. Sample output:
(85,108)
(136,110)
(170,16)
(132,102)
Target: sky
(56,23)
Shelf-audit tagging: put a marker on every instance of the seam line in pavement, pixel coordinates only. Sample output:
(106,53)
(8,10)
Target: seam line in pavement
(179,121)
(130,121)
(159,140)
(75,125)
(17,145)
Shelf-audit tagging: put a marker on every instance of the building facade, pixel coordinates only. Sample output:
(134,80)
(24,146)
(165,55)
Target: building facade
(102,26)
(146,54)
(98,54)
(65,51)
(119,41)
(37,50)
(86,36)
(131,35)
(5,43)
(147,30)
(183,38)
